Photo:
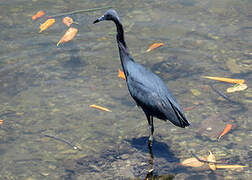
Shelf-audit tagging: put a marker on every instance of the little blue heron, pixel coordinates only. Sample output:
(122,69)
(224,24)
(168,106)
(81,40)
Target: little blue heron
(145,87)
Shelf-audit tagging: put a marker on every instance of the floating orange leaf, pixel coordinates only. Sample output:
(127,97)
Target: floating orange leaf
(212,159)
(154,46)
(68,36)
(67,21)
(1,122)
(47,24)
(237,87)
(121,74)
(193,162)
(229,166)
(227,128)
(229,80)
(38,15)
(100,108)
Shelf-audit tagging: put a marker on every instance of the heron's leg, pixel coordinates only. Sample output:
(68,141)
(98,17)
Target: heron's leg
(151,129)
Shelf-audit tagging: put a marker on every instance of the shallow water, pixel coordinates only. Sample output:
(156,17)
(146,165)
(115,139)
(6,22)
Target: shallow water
(45,89)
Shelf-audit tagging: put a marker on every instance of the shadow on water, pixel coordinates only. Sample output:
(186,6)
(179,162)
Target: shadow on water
(75,62)
(162,150)
(159,149)
(131,158)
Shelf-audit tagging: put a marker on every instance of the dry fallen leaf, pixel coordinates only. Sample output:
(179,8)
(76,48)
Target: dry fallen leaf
(68,36)
(100,108)
(193,162)
(47,24)
(121,74)
(67,21)
(237,87)
(198,161)
(211,158)
(154,46)
(229,166)
(227,128)
(38,15)
(229,80)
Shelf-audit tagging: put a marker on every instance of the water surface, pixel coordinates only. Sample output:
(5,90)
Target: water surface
(45,89)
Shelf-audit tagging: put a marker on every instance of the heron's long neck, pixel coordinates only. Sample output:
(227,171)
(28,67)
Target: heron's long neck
(123,49)
(120,33)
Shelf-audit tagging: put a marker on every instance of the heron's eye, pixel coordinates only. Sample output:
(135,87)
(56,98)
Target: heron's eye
(108,16)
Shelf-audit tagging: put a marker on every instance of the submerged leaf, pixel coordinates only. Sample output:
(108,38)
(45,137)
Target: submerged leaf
(211,158)
(121,74)
(193,162)
(68,36)
(225,130)
(100,108)
(154,46)
(38,15)
(212,126)
(195,92)
(47,24)
(229,80)
(237,87)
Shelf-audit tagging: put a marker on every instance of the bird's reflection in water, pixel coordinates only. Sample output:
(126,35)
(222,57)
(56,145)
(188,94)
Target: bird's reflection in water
(150,172)
(158,149)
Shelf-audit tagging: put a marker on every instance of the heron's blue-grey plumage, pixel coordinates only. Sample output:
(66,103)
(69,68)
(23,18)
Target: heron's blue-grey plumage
(146,88)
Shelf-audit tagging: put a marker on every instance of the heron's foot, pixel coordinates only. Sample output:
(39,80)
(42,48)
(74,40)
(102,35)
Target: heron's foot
(149,174)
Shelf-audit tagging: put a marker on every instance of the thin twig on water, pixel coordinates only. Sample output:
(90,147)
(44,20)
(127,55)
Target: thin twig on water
(27,160)
(222,95)
(78,11)
(63,140)
(201,160)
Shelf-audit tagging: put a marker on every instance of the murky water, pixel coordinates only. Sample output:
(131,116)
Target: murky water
(47,90)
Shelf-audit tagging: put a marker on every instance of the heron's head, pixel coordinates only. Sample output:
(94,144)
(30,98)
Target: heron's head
(109,15)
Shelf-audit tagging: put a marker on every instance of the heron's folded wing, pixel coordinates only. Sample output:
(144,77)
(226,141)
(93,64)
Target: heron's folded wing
(160,102)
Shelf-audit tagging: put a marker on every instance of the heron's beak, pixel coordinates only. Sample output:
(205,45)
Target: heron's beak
(99,19)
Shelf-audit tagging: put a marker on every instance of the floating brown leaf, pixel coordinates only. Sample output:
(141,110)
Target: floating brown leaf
(229,80)
(211,158)
(68,36)
(154,46)
(193,162)
(227,128)
(100,108)
(121,74)
(39,14)
(237,87)
(47,24)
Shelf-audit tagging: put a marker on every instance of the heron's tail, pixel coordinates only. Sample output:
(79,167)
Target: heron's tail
(181,119)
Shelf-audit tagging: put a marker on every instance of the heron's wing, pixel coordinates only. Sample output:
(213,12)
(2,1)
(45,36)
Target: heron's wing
(149,91)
